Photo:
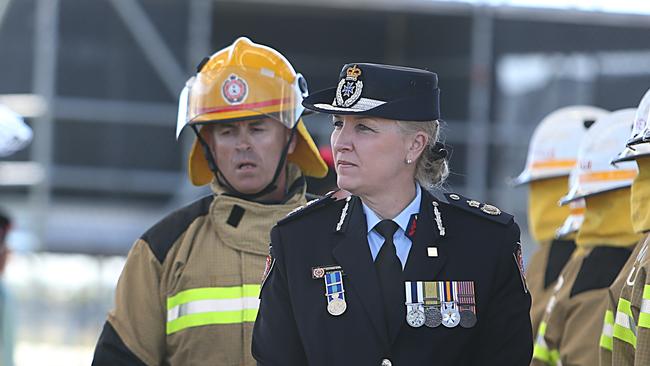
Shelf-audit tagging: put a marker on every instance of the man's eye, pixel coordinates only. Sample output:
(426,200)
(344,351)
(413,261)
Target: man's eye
(337,124)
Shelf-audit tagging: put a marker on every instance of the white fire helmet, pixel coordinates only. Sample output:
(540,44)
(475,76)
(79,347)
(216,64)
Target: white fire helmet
(554,145)
(594,172)
(638,143)
(14,133)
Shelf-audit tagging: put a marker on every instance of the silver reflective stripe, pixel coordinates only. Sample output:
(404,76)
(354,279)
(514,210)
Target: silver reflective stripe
(551,304)
(211,306)
(624,321)
(608,330)
(645,306)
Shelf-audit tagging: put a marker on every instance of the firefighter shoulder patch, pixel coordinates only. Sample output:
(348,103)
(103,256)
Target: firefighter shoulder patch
(519,261)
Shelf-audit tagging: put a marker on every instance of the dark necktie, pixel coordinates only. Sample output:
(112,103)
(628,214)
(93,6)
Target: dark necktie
(389,273)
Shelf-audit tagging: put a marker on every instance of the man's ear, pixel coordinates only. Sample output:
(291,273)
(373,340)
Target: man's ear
(294,141)
(206,134)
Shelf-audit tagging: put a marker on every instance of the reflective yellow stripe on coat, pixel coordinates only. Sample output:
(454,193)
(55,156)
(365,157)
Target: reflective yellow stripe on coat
(644,315)
(540,350)
(606,337)
(212,305)
(624,325)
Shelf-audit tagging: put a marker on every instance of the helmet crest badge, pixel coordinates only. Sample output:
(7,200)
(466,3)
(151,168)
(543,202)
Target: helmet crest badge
(234,89)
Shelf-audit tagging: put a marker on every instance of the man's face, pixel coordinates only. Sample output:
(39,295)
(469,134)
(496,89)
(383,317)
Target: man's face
(247,152)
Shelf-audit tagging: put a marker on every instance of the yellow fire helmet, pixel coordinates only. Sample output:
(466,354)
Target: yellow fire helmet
(245,81)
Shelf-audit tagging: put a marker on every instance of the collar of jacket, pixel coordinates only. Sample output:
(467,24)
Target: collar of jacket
(640,198)
(607,221)
(246,225)
(545,216)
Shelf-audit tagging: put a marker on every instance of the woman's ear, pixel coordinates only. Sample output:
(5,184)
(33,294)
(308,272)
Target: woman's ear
(418,144)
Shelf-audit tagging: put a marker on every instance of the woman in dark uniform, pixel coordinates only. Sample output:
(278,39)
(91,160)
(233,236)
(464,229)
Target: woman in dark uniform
(392,275)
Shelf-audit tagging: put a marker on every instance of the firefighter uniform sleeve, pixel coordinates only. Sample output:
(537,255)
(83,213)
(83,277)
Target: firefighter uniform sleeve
(606,335)
(508,326)
(134,333)
(642,354)
(276,341)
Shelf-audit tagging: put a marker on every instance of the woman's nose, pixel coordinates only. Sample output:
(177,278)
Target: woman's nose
(341,139)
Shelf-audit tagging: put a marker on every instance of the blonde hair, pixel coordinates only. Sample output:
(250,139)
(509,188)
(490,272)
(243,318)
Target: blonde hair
(431,168)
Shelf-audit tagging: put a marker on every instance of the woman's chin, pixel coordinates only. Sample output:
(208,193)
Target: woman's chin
(347,185)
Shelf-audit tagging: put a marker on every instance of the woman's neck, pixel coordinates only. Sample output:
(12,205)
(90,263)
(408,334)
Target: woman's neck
(388,203)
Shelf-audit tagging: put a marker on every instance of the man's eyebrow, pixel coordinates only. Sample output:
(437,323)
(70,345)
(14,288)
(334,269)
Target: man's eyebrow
(224,125)
(256,123)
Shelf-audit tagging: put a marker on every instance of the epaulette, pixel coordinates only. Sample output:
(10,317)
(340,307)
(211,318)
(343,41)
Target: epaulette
(481,209)
(310,206)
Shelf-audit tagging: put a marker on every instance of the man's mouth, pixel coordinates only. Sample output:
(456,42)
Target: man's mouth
(246,166)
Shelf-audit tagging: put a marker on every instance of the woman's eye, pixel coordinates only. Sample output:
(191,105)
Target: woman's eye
(364,128)
(337,124)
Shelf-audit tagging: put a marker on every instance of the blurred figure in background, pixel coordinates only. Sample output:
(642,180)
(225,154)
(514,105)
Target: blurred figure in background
(551,156)
(626,335)
(189,291)
(569,332)
(6,318)
(14,133)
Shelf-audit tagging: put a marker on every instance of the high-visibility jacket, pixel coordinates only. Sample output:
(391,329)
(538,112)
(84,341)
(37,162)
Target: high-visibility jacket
(542,273)
(607,334)
(631,343)
(570,331)
(189,291)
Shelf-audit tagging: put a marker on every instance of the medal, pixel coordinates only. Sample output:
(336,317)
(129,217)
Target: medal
(449,309)
(335,293)
(432,315)
(467,319)
(414,292)
(337,306)
(415,317)
(466,303)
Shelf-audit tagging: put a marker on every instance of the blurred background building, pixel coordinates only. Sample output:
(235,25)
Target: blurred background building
(99,81)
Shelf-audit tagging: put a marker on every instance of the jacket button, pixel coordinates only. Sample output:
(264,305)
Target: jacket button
(386,362)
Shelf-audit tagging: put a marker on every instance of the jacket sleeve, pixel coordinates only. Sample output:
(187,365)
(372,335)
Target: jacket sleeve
(134,333)
(641,298)
(276,341)
(506,335)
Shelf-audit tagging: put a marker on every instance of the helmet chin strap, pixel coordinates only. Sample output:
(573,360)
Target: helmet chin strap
(221,178)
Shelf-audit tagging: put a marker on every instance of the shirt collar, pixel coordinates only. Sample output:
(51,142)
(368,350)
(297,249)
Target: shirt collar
(402,219)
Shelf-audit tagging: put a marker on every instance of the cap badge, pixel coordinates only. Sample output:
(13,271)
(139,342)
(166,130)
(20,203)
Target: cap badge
(349,89)
(234,89)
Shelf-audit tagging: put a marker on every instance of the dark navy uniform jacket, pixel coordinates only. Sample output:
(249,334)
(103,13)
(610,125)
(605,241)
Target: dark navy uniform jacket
(293,326)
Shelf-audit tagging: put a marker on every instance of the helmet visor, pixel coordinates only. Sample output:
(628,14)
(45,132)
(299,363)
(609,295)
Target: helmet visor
(240,93)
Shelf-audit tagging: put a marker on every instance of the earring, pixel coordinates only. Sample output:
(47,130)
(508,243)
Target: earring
(409,161)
